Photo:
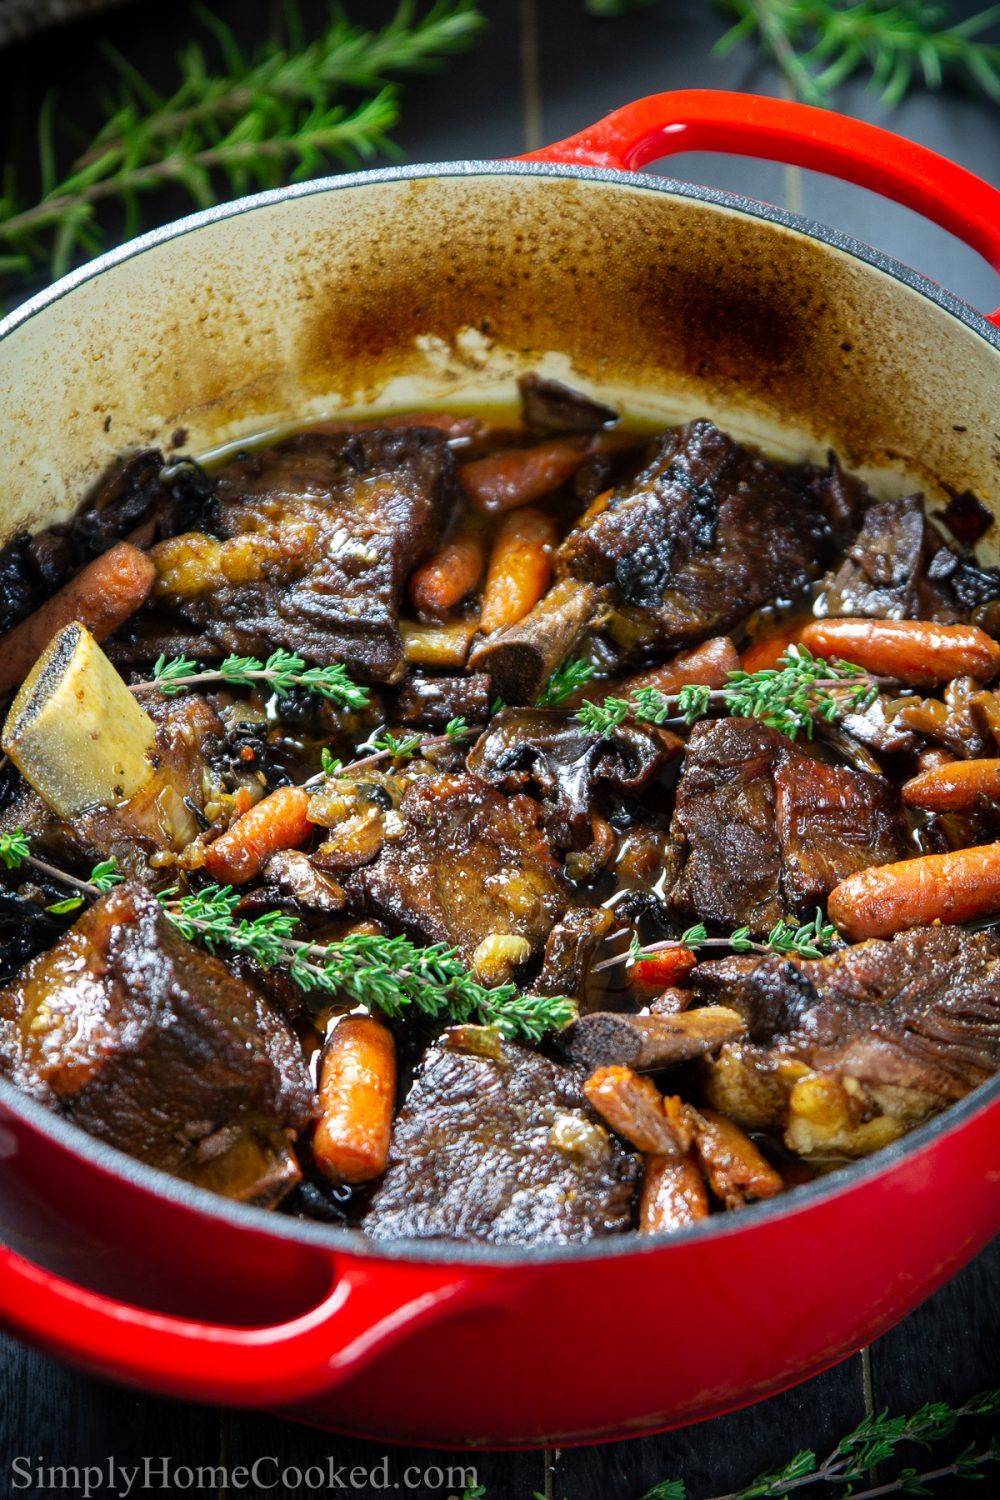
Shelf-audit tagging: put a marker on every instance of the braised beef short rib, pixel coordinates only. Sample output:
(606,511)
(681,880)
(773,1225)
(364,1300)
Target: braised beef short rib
(153,1045)
(466,862)
(504,1149)
(329,527)
(762,830)
(707,533)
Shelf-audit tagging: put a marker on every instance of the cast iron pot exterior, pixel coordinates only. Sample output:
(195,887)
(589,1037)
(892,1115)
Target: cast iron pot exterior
(441,283)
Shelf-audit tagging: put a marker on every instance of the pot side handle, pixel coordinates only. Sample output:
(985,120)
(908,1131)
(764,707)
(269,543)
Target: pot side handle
(800,135)
(366,1307)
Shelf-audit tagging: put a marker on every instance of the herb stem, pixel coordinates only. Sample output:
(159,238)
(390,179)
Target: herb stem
(630,955)
(241,123)
(909,1481)
(872,1442)
(282,671)
(87,887)
(362,131)
(344,57)
(818,44)
(788,697)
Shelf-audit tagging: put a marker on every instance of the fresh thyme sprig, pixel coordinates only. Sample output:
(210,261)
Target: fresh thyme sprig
(564,682)
(14,849)
(390,747)
(789,697)
(873,1441)
(281,672)
(15,852)
(809,940)
(389,974)
(245,123)
(102,877)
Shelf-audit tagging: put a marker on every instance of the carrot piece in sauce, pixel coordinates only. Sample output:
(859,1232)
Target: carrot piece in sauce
(102,596)
(519,476)
(917,652)
(279,821)
(955,887)
(520,569)
(357,1096)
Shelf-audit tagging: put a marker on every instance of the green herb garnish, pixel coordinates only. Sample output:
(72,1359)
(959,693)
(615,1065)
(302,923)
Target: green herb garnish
(281,672)
(232,125)
(873,1442)
(789,697)
(564,682)
(809,940)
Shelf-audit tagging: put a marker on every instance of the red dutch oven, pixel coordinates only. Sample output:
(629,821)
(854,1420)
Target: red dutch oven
(440,283)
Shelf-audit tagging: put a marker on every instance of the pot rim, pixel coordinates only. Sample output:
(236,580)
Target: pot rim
(669,186)
(351,1241)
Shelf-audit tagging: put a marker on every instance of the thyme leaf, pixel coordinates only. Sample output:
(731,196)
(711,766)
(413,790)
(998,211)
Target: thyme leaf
(789,697)
(282,671)
(873,1441)
(807,940)
(564,682)
(390,974)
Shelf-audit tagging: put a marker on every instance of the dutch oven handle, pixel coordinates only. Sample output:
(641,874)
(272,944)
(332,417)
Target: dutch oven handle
(366,1308)
(800,135)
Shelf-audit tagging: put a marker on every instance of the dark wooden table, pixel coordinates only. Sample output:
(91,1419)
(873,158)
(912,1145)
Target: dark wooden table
(544,71)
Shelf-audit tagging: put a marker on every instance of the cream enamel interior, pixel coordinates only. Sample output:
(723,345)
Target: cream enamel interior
(403,291)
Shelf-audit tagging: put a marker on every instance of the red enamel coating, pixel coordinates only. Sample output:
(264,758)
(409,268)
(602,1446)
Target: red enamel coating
(188,1298)
(801,136)
(493,1353)
(212,1362)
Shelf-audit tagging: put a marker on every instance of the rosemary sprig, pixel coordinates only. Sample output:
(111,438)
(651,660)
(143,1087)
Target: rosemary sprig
(873,1441)
(390,974)
(342,57)
(245,123)
(565,680)
(809,940)
(789,697)
(819,44)
(281,672)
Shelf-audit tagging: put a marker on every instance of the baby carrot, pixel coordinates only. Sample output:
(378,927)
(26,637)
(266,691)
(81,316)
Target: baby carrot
(279,821)
(954,887)
(918,652)
(520,569)
(102,597)
(953,787)
(445,579)
(673,1194)
(357,1095)
(770,648)
(519,476)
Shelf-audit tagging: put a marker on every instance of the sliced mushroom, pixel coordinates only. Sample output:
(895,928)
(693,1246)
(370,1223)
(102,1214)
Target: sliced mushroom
(547,751)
